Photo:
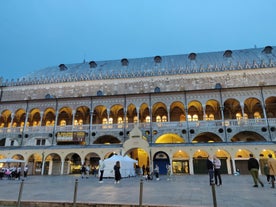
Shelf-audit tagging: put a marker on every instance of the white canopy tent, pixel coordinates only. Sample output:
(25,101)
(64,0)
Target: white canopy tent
(127,166)
(10,160)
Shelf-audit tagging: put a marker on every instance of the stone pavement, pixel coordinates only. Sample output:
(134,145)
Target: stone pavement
(185,191)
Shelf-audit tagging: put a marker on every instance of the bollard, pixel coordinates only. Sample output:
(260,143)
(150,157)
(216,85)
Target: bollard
(20,193)
(75,193)
(214,194)
(141,193)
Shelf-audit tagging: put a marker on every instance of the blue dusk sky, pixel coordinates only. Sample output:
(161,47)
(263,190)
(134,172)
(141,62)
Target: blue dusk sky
(35,34)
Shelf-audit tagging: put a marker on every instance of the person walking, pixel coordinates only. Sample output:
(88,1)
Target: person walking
(82,171)
(26,168)
(210,168)
(271,162)
(87,171)
(266,172)
(253,167)
(18,172)
(156,172)
(117,172)
(217,165)
(101,168)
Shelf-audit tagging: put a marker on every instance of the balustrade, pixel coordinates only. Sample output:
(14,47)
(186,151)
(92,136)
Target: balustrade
(208,125)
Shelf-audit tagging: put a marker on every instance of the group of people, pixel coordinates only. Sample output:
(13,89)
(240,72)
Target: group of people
(116,168)
(213,166)
(117,174)
(270,170)
(14,172)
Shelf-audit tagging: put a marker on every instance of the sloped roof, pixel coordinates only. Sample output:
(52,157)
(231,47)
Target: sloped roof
(148,66)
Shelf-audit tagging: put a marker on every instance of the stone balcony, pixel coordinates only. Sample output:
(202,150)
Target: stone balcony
(193,128)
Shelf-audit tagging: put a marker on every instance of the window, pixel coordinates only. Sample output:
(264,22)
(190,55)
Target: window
(99,93)
(210,117)
(192,56)
(195,117)
(164,118)
(40,142)
(92,64)
(148,119)
(238,116)
(267,50)
(157,59)
(157,90)
(124,62)
(227,54)
(158,119)
(48,123)
(104,121)
(62,123)
(120,122)
(62,67)
(135,119)
(257,115)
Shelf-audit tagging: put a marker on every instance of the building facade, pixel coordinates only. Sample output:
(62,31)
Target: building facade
(173,110)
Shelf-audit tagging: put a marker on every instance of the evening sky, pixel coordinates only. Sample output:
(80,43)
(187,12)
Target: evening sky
(35,34)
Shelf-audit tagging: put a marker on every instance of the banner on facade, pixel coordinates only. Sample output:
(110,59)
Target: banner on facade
(71,136)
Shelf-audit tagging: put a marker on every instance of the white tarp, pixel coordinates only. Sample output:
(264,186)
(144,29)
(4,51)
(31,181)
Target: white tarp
(10,160)
(127,166)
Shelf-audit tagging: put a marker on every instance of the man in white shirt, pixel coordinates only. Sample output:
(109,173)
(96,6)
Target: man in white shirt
(217,165)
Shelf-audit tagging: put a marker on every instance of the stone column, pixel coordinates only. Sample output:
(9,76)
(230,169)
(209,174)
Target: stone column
(234,165)
(169,116)
(73,118)
(41,117)
(62,167)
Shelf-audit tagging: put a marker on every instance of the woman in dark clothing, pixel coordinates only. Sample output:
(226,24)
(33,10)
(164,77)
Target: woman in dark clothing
(117,172)
(210,168)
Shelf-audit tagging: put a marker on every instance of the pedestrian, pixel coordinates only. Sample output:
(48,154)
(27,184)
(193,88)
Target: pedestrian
(144,169)
(272,169)
(169,171)
(156,172)
(149,174)
(18,172)
(82,171)
(253,167)
(217,165)
(101,168)
(266,172)
(26,168)
(117,172)
(87,171)
(210,168)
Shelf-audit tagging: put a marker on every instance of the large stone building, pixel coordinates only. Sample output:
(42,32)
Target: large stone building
(165,109)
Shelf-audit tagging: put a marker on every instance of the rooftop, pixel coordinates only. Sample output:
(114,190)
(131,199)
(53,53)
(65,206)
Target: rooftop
(227,60)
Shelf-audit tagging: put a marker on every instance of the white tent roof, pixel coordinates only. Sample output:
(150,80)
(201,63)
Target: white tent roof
(10,160)
(127,166)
